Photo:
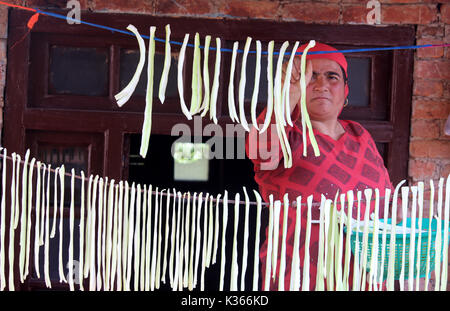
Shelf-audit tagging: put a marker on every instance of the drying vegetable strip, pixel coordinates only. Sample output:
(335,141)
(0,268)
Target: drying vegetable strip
(224,229)
(295,265)
(412,239)
(55,202)
(216,230)
(430,217)
(304,112)
(269,110)
(166,238)
(92,268)
(130,234)
(256,85)
(29,207)
(242,82)
(305,280)
(205,242)
(47,231)
(145,237)
(104,225)
(444,277)
(215,86)
(245,246)
(363,263)
(42,220)
(119,237)
(196,77)
(350,200)
(71,226)
(324,205)
(109,224)
(278,84)
(234,263)
(147,126)
(180,249)
(99,231)
(88,227)
(177,244)
(387,195)
(269,246)
(199,232)
(356,260)
(210,232)
(11,222)
(391,263)
(186,244)
(276,234)
(158,260)
(191,257)
(2,224)
(420,187)
(402,258)
(62,172)
(286,86)
(38,216)
(437,243)
(123,96)
(155,236)
(374,251)
(166,68)
(339,273)
(283,244)
(231,104)
(126,201)
(137,237)
(181,56)
(146,246)
(81,241)
(206,99)
(23,217)
(172,239)
(257,238)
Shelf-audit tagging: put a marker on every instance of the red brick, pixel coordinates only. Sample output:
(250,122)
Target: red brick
(429,149)
(420,14)
(311,12)
(249,8)
(425,128)
(428,88)
(422,169)
(3,22)
(355,14)
(430,52)
(61,4)
(139,6)
(445,13)
(430,31)
(445,171)
(184,7)
(429,109)
(432,69)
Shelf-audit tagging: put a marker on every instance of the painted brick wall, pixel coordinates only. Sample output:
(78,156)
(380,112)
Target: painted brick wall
(429,147)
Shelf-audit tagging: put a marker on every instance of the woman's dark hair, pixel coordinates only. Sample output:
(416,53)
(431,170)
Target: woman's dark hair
(344,75)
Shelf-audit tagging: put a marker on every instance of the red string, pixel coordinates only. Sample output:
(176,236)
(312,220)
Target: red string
(31,22)
(18,6)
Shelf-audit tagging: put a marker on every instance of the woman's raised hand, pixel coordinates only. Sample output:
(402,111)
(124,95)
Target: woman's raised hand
(294,90)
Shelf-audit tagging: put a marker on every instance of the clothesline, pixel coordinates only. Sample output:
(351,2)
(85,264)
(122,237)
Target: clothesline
(170,193)
(67,18)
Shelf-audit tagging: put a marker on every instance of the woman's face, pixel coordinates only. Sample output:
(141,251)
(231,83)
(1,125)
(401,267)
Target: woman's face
(325,94)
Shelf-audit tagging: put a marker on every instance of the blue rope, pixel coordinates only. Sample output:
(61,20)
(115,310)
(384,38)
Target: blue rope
(230,50)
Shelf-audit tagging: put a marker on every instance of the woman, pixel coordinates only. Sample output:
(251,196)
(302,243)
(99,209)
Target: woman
(348,159)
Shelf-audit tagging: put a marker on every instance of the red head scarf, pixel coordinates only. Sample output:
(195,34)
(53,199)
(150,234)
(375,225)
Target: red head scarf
(338,57)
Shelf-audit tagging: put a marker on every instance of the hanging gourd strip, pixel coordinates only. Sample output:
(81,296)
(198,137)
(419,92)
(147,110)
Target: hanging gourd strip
(215,86)
(181,56)
(166,68)
(224,230)
(256,85)
(242,81)
(287,84)
(269,110)
(231,103)
(123,96)
(206,99)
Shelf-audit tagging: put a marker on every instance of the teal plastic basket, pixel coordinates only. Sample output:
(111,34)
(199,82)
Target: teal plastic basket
(420,250)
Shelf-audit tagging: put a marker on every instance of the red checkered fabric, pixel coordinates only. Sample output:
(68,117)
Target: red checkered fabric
(350,163)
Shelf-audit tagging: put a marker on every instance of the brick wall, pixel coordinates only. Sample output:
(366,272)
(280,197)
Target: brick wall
(429,147)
